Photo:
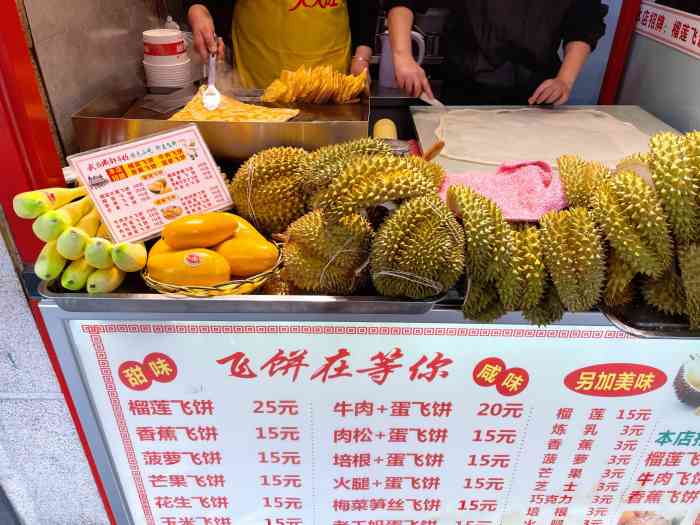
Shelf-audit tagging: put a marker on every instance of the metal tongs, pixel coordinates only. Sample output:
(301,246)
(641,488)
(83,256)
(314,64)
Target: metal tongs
(211,98)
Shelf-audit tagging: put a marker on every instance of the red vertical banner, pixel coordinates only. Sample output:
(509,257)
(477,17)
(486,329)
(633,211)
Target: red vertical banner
(619,52)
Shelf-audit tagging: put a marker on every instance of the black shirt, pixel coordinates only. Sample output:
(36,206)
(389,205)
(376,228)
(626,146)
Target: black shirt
(512,44)
(363,19)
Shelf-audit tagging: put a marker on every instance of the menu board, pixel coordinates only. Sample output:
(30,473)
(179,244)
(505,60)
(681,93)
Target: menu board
(387,424)
(140,186)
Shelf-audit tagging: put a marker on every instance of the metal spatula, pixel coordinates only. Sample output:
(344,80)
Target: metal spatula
(211,98)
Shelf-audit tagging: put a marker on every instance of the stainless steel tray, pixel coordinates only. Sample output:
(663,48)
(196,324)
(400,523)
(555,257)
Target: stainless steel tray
(641,320)
(119,117)
(243,304)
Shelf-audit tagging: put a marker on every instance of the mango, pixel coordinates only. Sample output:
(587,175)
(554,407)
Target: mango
(194,267)
(200,230)
(248,256)
(159,247)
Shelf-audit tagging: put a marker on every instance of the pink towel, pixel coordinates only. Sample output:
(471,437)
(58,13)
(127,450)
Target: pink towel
(523,191)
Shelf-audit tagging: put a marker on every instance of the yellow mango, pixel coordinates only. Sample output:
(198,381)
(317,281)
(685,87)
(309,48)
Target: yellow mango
(159,247)
(201,230)
(248,255)
(194,267)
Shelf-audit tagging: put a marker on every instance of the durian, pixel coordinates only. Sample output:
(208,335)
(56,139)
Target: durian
(573,255)
(323,165)
(689,262)
(373,180)
(482,302)
(530,268)
(419,251)
(676,184)
(639,164)
(666,293)
(549,310)
(630,215)
(267,191)
(325,257)
(580,179)
(490,243)
(618,289)
(278,284)
(687,382)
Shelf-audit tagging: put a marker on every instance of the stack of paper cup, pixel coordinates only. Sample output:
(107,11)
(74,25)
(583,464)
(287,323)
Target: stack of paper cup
(165,58)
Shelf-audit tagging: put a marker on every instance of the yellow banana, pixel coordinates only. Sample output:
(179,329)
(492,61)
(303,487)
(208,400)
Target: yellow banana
(31,204)
(103,232)
(49,264)
(129,256)
(90,223)
(105,281)
(98,253)
(71,243)
(75,276)
(53,223)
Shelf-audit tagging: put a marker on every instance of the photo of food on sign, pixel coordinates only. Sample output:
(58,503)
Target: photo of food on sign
(649,518)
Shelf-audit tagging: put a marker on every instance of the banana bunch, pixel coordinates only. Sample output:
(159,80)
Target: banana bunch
(78,246)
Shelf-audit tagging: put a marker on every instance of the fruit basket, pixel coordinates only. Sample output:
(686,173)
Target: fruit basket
(234,287)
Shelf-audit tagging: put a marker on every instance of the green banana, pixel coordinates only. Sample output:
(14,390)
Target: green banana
(98,253)
(49,264)
(31,204)
(71,243)
(75,276)
(105,281)
(129,256)
(53,223)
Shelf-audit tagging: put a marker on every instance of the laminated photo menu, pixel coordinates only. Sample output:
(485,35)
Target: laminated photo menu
(141,185)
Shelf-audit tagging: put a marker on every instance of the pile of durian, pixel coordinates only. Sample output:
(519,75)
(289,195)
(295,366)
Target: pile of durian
(354,214)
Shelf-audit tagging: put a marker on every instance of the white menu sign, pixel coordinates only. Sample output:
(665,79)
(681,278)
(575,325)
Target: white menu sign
(383,424)
(141,185)
(671,27)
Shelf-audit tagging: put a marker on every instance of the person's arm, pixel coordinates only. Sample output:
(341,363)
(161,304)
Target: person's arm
(200,16)
(409,75)
(583,27)
(363,21)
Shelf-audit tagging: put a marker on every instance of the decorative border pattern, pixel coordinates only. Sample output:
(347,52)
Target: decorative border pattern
(110,387)
(538,333)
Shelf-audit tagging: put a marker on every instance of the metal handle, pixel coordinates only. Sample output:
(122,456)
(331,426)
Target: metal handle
(211,70)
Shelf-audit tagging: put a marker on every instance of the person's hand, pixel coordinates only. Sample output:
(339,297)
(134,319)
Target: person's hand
(360,60)
(411,77)
(203,34)
(553,91)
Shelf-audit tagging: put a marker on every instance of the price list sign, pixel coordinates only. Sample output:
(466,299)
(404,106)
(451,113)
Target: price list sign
(364,424)
(140,186)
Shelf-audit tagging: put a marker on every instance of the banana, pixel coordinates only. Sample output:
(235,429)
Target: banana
(105,281)
(90,223)
(76,275)
(49,264)
(103,232)
(98,253)
(53,223)
(31,204)
(129,256)
(71,243)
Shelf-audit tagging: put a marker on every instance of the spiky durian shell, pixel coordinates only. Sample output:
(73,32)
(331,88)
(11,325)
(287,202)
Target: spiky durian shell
(622,234)
(373,180)
(689,262)
(618,289)
(676,184)
(666,293)
(419,251)
(326,163)
(531,269)
(574,257)
(266,190)
(580,179)
(345,243)
(279,284)
(326,257)
(549,310)
(482,302)
(638,163)
(692,143)
(312,274)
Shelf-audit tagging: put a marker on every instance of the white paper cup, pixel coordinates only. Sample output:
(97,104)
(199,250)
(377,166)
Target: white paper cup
(164,46)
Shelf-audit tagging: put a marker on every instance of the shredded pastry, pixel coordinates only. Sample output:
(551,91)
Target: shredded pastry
(515,135)
(231,110)
(319,85)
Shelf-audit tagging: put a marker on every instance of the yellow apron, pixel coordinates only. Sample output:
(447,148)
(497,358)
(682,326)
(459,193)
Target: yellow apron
(272,35)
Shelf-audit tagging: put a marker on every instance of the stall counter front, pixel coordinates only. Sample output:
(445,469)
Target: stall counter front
(338,412)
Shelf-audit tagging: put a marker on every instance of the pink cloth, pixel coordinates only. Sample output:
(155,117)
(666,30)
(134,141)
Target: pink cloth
(523,191)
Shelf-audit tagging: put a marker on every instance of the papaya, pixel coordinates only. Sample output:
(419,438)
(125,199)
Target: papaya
(247,255)
(159,247)
(194,267)
(200,230)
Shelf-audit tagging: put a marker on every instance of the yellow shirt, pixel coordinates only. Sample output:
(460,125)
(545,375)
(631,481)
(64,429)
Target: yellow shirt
(272,35)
